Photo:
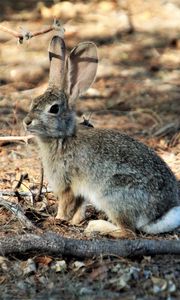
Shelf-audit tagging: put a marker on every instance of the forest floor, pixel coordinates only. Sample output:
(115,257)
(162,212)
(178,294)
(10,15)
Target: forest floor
(136,91)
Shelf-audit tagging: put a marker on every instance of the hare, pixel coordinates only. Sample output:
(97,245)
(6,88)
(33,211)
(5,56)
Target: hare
(117,174)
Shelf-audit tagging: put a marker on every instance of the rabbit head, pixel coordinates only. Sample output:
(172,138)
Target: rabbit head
(53,113)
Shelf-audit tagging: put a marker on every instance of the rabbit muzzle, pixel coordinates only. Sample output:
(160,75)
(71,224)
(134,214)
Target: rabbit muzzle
(29,123)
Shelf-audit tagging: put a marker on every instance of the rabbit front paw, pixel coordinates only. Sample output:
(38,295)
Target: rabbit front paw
(61,216)
(66,205)
(78,216)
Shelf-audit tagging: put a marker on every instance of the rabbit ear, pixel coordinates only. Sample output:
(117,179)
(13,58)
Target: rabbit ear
(57,53)
(82,67)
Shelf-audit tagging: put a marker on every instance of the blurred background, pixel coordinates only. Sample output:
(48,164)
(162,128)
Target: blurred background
(138,81)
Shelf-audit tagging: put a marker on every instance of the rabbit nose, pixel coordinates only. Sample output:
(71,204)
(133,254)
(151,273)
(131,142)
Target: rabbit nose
(27,121)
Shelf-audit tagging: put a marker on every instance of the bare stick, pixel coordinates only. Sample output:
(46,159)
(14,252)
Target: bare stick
(18,212)
(26,35)
(130,19)
(41,184)
(16,138)
(23,194)
(50,243)
(167,129)
(10,31)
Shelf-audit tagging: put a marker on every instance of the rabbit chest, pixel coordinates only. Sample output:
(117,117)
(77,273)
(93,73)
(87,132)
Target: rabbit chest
(57,176)
(56,167)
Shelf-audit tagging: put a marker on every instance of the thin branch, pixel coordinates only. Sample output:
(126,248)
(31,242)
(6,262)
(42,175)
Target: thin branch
(23,194)
(130,18)
(18,212)
(41,184)
(20,181)
(26,35)
(10,31)
(50,243)
(167,129)
(16,138)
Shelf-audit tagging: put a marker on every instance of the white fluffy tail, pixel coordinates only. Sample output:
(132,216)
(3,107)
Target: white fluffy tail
(169,222)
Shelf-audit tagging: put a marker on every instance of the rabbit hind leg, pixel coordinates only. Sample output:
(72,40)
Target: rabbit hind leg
(107,228)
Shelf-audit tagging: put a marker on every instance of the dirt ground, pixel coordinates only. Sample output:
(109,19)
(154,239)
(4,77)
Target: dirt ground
(136,90)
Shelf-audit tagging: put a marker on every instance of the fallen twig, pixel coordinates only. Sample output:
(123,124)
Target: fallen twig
(41,184)
(16,138)
(167,129)
(50,243)
(20,181)
(18,212)
(130,18)
(23,194)
(26,35)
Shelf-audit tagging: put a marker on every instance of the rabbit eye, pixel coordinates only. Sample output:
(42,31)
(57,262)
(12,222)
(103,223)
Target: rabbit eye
(54,109)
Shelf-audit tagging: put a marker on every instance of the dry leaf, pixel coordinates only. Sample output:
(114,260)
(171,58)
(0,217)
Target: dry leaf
(159,284)
(78,265)
(99,273)
(28,267)
(43,260)
(59,266)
